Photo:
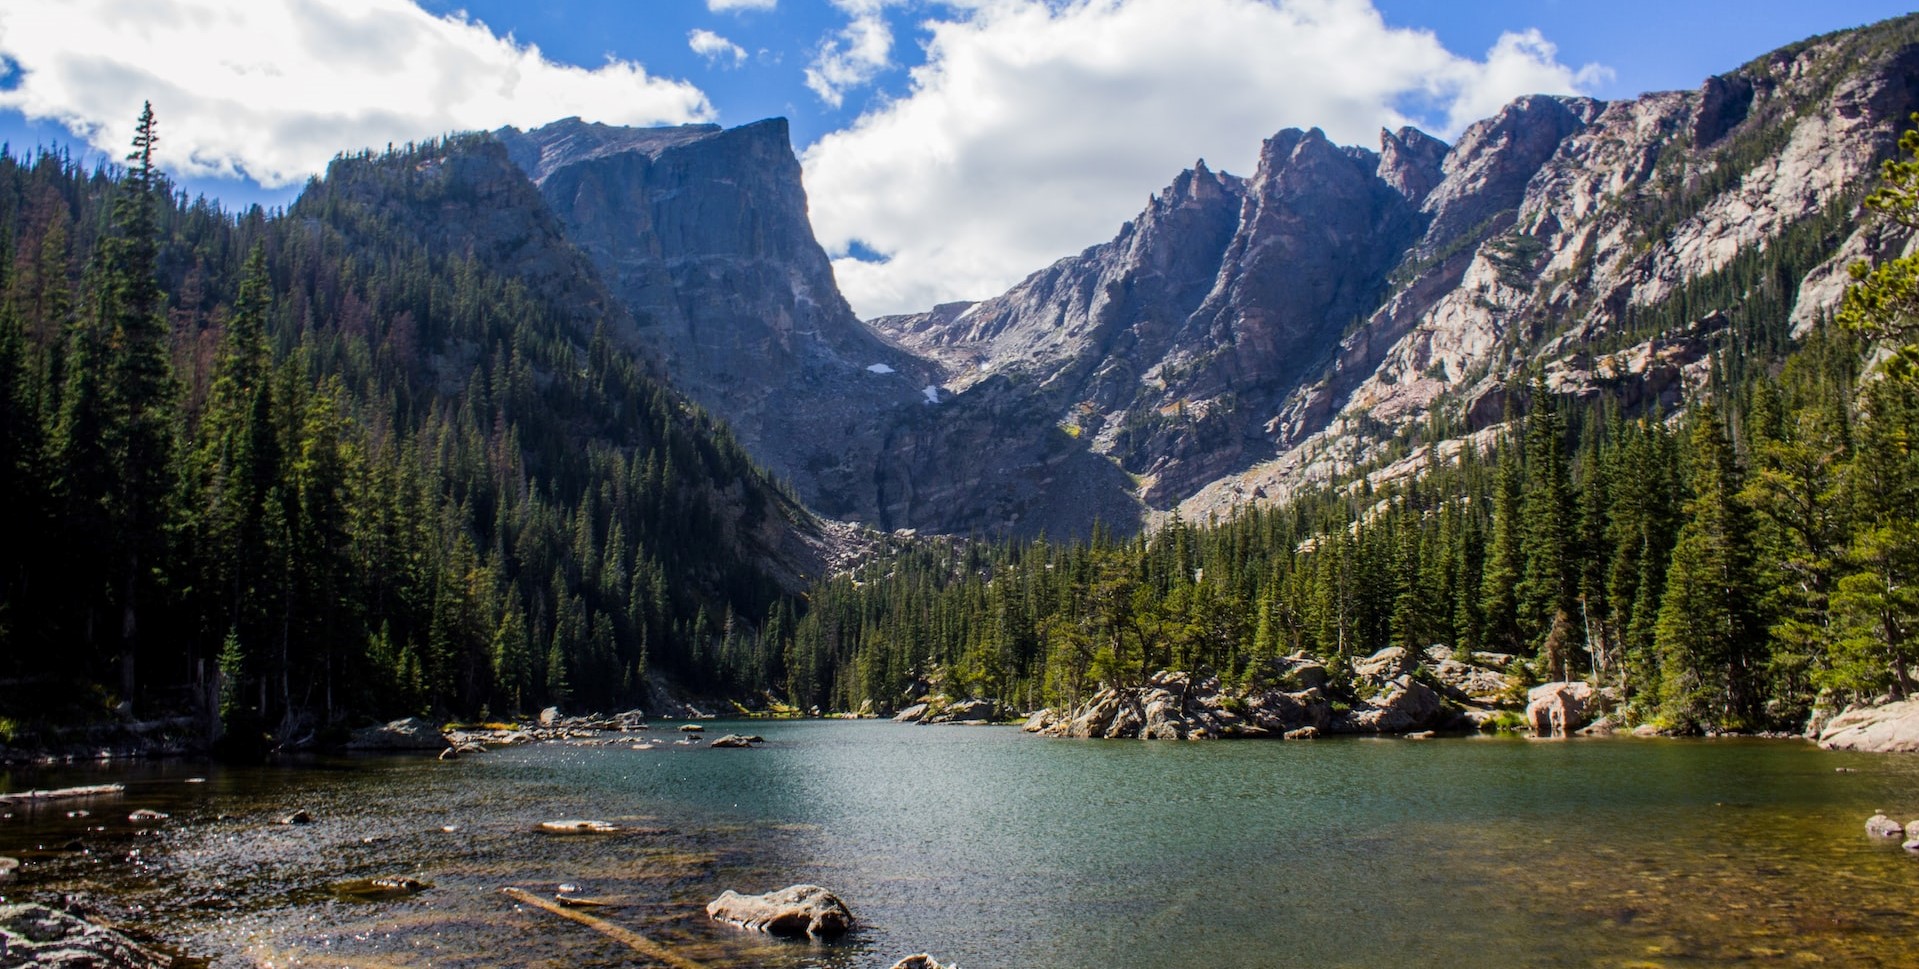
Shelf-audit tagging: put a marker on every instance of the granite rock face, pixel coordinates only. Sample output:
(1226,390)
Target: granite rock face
(1888,728)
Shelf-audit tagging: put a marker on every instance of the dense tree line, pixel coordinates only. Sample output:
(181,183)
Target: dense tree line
(333,461)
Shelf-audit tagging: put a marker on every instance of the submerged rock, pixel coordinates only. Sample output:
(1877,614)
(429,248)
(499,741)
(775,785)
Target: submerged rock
(411,733)
(35,935)
(1889,728)
(795,910)
(297,817)
(921,961)
(379,889)
(578,826)
(1880,826)
(147,814)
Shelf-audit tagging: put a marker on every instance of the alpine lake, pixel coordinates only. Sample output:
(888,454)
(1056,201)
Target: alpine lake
(990,848)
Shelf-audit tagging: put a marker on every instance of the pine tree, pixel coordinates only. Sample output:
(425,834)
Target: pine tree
(1547,587)
(1709,638)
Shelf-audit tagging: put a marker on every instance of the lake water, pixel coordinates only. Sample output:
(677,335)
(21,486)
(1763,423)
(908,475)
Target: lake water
(990,848)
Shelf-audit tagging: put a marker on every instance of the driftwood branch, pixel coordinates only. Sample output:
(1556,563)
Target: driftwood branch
(631,939)
(98,790)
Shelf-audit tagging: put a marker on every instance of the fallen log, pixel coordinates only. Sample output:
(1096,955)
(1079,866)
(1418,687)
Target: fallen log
(631,939)
(61,794)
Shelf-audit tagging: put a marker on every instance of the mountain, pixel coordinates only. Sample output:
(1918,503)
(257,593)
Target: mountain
(1342,307)
(701,235)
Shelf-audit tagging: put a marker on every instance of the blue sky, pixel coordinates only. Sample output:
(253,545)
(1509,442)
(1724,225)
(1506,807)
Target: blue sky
(952,144)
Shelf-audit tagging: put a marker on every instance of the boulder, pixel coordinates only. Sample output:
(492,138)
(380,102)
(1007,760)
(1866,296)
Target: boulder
(1467,681)
(1603,727)
(8,866)
(1405,705)
(1912,830)
(298,817)
(1888,728)
(1880,826)
(971,709)
(1039,720)
(795,910)
(1305,674)
(739,740)
(35,935)
(1303,733)
(912,714)
(1277,711)
(692,728)
(411,733)
(147,814)
(549,716)
(921,961)
(1385,664)
(1559,709)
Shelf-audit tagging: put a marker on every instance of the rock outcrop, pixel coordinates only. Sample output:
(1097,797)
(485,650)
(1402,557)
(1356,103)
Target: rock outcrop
(1559,709)
(410,733)
(796,910)
(1295,702)
(35,935)
(1888,728)
(944,709)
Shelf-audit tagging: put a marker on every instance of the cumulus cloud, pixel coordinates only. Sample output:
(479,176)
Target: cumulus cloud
(272,89)
(722,6)
(855,54)
(715,48)
(1034,128)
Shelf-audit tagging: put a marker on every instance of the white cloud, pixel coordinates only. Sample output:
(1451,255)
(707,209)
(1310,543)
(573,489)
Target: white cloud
(272,89)
(1034,128)
(853,55)
(715,48)
(722,6)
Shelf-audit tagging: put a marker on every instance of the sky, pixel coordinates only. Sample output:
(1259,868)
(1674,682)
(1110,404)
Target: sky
(950,147)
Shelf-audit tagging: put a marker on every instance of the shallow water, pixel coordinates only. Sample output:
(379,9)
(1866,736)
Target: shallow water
(994,849)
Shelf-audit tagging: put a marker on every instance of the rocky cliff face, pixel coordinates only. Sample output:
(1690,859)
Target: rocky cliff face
(701,234)
(1244,336)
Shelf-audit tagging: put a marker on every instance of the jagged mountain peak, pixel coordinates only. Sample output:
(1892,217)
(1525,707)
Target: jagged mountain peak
(1411,161)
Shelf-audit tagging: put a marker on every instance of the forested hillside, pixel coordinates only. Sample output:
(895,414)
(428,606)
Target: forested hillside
(388,451)
(1731,568)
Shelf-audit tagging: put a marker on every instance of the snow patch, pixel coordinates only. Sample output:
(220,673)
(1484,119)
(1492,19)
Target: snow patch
(880,368)
(932,394)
